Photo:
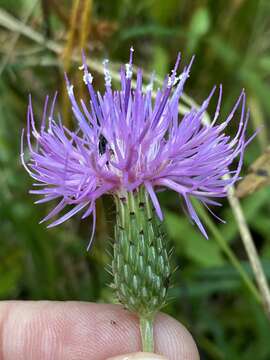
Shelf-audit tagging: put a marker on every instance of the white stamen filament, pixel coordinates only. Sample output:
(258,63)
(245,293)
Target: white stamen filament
(87,78)
(107,75)
(172,82)
(128,71)
(70,90)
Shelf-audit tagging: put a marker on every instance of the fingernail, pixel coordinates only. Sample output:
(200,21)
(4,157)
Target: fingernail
(139,356)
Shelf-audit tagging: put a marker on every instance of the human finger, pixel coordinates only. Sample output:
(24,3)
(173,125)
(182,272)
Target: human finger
(48,330)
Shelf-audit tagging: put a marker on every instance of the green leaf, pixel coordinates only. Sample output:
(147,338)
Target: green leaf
(188,241)
(161,61)
(200,22)
(198,27)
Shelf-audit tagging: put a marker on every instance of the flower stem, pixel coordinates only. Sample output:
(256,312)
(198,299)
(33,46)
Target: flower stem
(146,328)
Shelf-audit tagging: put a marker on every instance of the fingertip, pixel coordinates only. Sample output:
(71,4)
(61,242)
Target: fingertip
(173,339)
(139,356)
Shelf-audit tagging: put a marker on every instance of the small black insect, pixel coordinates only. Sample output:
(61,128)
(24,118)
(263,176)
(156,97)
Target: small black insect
(102,144)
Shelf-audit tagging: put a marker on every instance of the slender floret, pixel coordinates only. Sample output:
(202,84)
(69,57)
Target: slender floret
(129,138)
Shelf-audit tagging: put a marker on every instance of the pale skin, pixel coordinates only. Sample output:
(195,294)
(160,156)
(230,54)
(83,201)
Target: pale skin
(48,330)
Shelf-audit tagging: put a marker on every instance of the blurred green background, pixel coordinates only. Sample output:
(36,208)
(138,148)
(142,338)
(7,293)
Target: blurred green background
(231,42)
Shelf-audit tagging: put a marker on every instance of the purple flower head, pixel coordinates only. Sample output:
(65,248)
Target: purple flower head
(126,139)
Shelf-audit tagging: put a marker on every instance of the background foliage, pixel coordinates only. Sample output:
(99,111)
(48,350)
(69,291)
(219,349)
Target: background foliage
(231,43)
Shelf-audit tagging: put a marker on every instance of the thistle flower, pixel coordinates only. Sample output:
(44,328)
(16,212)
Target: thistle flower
(126,140)
(131,146)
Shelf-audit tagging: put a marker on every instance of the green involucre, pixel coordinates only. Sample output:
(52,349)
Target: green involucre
(140,263)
